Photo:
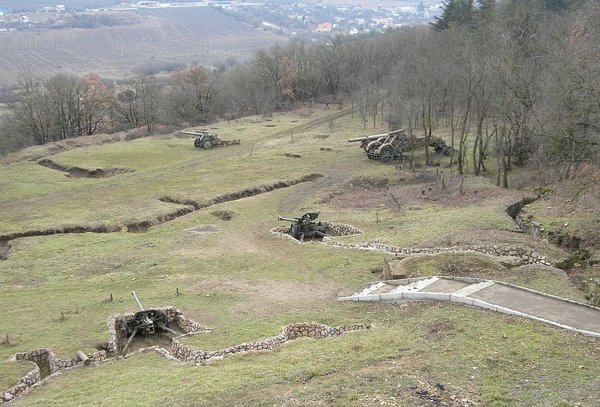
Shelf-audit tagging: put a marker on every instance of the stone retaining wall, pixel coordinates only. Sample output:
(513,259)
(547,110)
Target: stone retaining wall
(519,255)
(189,353)
(31,378)
(49,363)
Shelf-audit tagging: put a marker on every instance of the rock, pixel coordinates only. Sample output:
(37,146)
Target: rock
(509,261)
(8,396)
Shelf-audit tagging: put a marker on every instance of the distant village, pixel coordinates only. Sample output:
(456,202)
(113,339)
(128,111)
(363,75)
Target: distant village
(292,20)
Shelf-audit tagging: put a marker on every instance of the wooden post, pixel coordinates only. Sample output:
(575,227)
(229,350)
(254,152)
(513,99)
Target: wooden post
(396,201)
(252,149)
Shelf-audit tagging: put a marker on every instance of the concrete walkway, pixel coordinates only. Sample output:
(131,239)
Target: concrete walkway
(493,295)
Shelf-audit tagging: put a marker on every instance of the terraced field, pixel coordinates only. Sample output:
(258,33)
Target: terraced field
(161,38)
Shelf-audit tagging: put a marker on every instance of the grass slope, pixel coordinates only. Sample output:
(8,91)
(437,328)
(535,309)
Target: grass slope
(246,283)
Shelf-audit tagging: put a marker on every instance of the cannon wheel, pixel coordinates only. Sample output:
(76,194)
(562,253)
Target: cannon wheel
(387,154)
(372,152)
(206,144)
(197,143)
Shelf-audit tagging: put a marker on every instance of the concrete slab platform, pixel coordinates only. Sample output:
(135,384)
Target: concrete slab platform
(445,286)
(551,309)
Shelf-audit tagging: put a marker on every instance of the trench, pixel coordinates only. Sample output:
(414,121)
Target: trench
(143,226)
(534,228)
(78,172)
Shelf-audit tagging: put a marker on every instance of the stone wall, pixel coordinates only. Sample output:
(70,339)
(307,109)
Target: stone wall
(519,255)
(47,364)
(189,353)
(31,378)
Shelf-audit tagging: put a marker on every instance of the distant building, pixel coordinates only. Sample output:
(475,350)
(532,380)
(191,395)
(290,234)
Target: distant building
(24,19)
(146,3)
(60,8)
(324,27)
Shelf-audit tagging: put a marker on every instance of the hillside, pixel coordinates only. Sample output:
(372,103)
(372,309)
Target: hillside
(192,229)
(159,40)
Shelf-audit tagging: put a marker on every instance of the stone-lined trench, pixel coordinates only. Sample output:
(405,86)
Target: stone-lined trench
(143,226)
(47,364)
(509,255)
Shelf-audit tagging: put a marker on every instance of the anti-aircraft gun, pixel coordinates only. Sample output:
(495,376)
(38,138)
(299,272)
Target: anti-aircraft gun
(206,140)
(146,322)
(305,226)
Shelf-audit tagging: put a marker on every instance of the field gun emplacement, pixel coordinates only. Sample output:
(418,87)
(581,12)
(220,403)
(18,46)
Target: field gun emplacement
(205,140)
(387,147)
(146,322)
(305,227)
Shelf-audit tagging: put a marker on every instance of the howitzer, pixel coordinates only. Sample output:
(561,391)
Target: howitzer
(206,140)
(305,227)
(147,322)
(364,138)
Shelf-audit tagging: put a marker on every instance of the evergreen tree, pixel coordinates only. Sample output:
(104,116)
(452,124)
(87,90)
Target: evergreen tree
(468,13)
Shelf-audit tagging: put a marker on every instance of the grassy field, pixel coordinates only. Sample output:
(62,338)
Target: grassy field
(238,278)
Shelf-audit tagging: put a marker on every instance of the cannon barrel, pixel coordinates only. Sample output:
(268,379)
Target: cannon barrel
(288,219)
(192,133)
(376,136)
(136,300)
(373,137)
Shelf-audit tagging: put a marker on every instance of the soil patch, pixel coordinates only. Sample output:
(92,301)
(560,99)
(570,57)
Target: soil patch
(223,215)
(266,298)
(406,193)
(201,230)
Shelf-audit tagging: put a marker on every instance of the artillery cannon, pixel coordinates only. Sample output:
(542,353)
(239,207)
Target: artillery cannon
(206,140)
(387,147)
(147,322)
(305,226)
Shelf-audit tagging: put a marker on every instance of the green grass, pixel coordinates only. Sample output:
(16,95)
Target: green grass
(247,283)
(12,371)
(503,360)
